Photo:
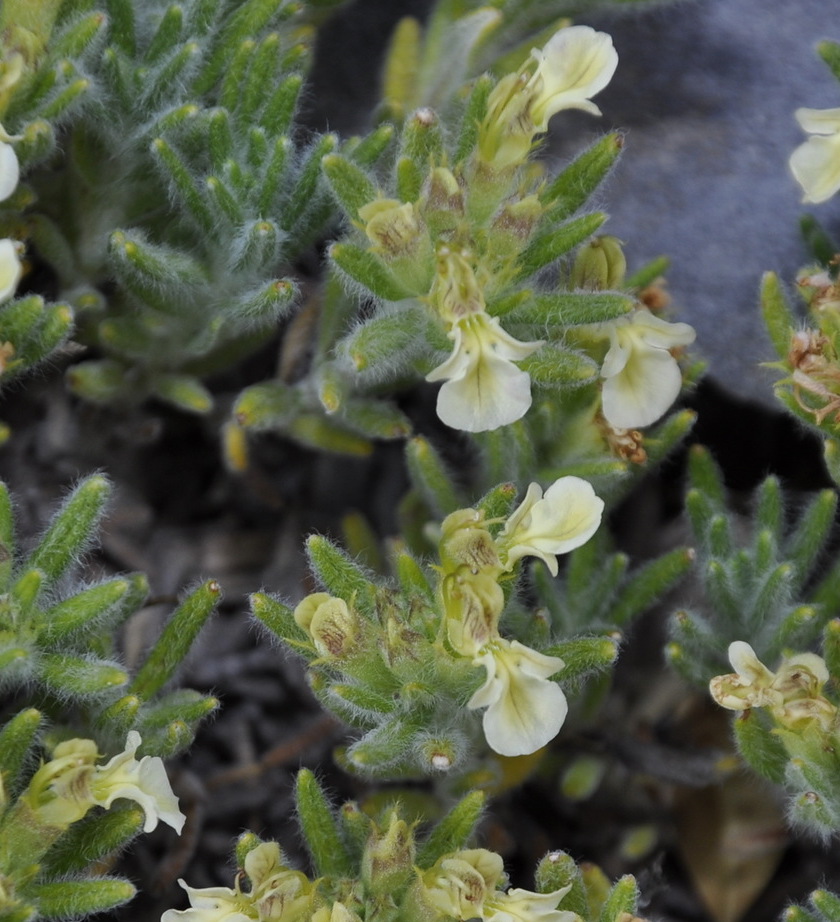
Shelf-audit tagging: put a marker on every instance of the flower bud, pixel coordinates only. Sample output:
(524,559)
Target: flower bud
(393,227)
(334,629)
(388,860)
(600,265)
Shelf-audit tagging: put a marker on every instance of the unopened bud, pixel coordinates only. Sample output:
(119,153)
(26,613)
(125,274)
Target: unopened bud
(388,860)
(600,265)
(333,628)
(393,227)
(518,219)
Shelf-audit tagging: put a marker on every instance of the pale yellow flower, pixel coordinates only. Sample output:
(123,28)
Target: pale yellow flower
(544,526)
(792,693)
(815,164)
(524,709)
(575,64)
(10,268)
(517,905)
(65,788)
(458,884)
(213,904)
(641,376)
(483,388)
(9,168)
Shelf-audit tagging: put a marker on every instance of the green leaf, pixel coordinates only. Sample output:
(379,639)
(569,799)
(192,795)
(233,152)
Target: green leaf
(764,752)
(17,741)
(366,268)
(270,405)
(176,639)
(830,53)
(622,899)
(453,832)
(94,838)
(121,16)
(430,477)
(66,899)
(167,35)
(85,610)
(573,187)
(812,531)
(584,655)
(387,340)
(279,619)
(350,185)
(819,243)
(474,112)
(72,530)
(550,245)
(320,830)
(650,582)
(571,309)
(778,318)
(376,419)
(340,575)
(76,677)
(554,366)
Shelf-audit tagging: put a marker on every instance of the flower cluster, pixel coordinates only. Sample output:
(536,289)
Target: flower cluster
(524,709)
(792,693)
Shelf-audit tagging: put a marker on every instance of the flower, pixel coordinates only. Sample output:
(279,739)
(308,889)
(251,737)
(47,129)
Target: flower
(65,788)
(792,693)
(815,164)
(334,629)
(484,389)
(641,377)
(524,709)
(10,268)
(212,904)
(543,526)
(519,905)
(458,884)
(574,65)
(9,167)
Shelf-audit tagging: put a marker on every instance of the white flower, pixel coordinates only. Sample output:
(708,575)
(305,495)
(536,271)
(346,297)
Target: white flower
(519,905)
(544,526)
(815,164)
(484,389)
(10,268)
(211,904)
(575,64)
(65,788)
(144,782)
(524,709)
(641,377)
(9,168)
(458,884)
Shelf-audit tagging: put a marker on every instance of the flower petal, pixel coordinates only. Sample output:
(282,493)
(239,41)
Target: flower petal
(524,709)
(9,170)
(575,64)
(565,518)
(484,390)
(816,167)
(10,268)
